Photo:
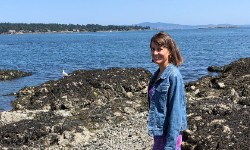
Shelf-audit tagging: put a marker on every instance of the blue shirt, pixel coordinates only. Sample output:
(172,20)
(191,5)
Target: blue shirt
(167,107)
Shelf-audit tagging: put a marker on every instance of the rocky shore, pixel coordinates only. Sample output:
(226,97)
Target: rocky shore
(12,74)
(107,109)
(219,108)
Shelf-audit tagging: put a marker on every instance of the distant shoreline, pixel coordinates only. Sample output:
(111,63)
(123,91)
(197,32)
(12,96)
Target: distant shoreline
(23,28)
(41,28)
(70,32)
(219,27)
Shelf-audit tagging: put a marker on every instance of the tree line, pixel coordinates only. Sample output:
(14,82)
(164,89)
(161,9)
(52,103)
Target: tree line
(53,27)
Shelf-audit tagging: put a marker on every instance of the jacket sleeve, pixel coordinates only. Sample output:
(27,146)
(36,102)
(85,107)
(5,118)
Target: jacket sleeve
(174,110)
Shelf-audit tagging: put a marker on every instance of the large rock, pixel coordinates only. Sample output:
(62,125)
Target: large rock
(73,111)
(218,109)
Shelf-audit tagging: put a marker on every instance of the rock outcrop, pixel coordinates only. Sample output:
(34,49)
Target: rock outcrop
(107,109)
(219,109)
(12,74)
(78,110)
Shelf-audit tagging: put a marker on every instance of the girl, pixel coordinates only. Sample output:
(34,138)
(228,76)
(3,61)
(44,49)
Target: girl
(167,103)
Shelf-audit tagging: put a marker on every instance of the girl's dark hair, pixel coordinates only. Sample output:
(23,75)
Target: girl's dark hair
(165,40)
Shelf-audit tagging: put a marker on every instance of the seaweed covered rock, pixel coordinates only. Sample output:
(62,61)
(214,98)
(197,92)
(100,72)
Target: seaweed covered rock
(71,111)
(12,74)
(218,109)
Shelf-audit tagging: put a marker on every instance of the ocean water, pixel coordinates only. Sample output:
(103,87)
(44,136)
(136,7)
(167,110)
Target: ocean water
(45,55)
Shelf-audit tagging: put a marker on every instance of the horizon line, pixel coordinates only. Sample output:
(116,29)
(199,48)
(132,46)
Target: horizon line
(129,24)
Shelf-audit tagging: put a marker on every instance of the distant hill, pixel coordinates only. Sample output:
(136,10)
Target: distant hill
(169,26)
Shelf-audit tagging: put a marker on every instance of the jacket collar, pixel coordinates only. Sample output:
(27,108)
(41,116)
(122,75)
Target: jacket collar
(165,72)
(163,75)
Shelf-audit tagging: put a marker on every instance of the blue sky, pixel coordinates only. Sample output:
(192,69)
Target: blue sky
(126,12)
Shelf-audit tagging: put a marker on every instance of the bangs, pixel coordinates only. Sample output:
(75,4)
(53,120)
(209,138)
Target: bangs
(159,42)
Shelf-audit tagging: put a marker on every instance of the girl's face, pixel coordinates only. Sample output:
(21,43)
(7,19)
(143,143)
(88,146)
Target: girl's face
(160,55)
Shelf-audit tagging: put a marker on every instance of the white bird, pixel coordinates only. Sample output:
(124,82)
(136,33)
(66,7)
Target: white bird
(64,73)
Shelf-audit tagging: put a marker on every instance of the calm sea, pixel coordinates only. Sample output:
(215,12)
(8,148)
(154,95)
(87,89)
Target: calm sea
(45,55)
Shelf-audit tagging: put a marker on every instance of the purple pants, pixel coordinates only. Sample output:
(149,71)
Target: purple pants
(160,141)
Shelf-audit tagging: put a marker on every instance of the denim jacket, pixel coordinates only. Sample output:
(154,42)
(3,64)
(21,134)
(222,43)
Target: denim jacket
(167,107)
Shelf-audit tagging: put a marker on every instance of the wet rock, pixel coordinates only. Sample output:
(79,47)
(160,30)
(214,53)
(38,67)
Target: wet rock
(216,68)
(223,105)
(12,74)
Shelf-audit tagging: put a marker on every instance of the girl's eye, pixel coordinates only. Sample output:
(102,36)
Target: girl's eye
(159,49)
(156,49)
